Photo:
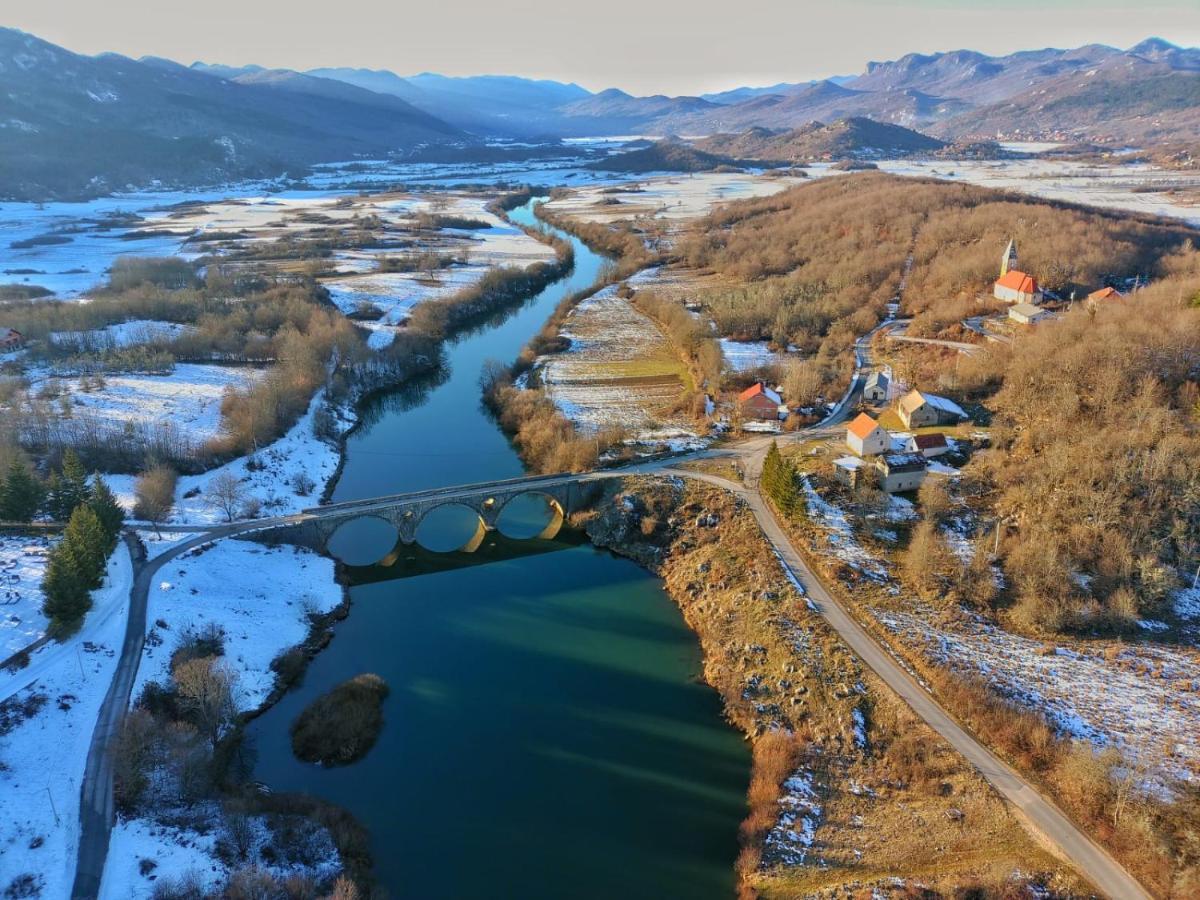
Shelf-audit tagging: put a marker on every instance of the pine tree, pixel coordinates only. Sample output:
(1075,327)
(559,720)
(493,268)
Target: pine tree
(779,481)
(107,510)
(86,543)
(67,597)
(67,488)
(20,494)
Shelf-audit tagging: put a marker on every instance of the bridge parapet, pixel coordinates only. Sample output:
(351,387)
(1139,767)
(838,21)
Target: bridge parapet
(405,512)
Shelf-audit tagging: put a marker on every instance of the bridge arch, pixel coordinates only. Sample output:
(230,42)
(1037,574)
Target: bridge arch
(515,516)
(363,540)
(448,527)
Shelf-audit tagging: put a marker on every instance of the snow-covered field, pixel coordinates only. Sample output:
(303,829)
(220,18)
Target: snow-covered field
(742,356)
(43,755)
(262,611)
(669,196)
(1107,186)
(620,371)
(1145,699)
(273,476)
(125,334)
(188,401)
(22,565)
(396,293)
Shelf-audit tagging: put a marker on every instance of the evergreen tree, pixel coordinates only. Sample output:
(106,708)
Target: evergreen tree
(107,510)
(68,488)
(779,481)
(67,597)
(86,543)
(20,494)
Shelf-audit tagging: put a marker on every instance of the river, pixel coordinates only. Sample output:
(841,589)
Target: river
(546,733)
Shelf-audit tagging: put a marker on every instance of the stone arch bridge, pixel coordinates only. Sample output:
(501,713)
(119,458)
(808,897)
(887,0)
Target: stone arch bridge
(565,494)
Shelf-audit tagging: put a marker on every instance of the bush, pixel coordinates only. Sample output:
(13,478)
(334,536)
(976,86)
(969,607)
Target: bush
(340,727)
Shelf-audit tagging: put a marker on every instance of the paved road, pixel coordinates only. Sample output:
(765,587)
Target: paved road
(96,802)
(1040,814)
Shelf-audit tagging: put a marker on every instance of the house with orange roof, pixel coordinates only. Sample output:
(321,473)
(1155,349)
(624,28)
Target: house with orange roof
(759,402)
(866,437)
(1015,286)
(1105,293)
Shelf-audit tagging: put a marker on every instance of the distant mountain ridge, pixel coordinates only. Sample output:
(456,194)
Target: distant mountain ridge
(1148,94)
(73,125)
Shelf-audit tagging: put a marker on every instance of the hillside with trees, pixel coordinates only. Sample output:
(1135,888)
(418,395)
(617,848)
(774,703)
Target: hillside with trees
(851,138)
(662,156)
(1096,417)
(815,266)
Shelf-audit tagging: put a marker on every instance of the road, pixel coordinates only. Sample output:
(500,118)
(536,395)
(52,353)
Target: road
(96,802)
(1043,818)
(1040,815)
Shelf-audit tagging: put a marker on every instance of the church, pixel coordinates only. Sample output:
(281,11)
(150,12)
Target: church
(1013,285)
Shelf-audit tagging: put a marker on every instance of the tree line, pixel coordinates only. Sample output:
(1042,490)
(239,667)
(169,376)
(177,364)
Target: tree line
(77,563)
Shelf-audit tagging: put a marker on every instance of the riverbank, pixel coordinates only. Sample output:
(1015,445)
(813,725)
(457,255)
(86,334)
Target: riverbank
(850,790)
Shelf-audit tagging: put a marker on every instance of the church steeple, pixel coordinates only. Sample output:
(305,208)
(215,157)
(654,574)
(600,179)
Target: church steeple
(1009,259)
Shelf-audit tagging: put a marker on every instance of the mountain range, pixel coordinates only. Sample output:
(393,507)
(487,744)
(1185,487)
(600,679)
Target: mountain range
(1093,93)
(74,125)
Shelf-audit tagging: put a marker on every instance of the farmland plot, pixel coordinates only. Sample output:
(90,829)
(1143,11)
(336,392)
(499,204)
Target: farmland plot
(620,371)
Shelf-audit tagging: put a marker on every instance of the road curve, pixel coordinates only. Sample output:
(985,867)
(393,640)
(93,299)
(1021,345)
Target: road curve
(1040,814)
(96,799)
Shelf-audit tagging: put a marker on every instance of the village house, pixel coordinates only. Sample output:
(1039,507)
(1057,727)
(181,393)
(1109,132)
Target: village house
(866,437)
(1017,287)
(876,388)
(847,470)
(900,471)
(759,402)
(1027,314)
(919,410)
(928,445)
(1105,293)
(10,339)
(1013,285)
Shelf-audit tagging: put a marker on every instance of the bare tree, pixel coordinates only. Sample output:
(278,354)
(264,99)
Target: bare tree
(206,689)
(154,494)
(227,494)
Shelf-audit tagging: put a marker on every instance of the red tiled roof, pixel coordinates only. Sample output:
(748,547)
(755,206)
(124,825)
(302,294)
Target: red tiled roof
(929,441)
(1104,293)
(1018,281)
(862,426)
(758,389)
(753,391)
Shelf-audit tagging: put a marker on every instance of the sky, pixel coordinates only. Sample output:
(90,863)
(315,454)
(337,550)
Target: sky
(642,46)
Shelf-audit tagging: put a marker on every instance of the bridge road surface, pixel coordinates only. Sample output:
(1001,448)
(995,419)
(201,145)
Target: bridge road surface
(1038,813)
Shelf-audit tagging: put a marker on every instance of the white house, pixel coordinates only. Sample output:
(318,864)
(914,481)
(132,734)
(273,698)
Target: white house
(866,437)
(1027,314)
(901,471)
(918,409)
(928,445)
(876,388)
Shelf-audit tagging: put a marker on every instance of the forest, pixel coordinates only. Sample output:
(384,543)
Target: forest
(816,266)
